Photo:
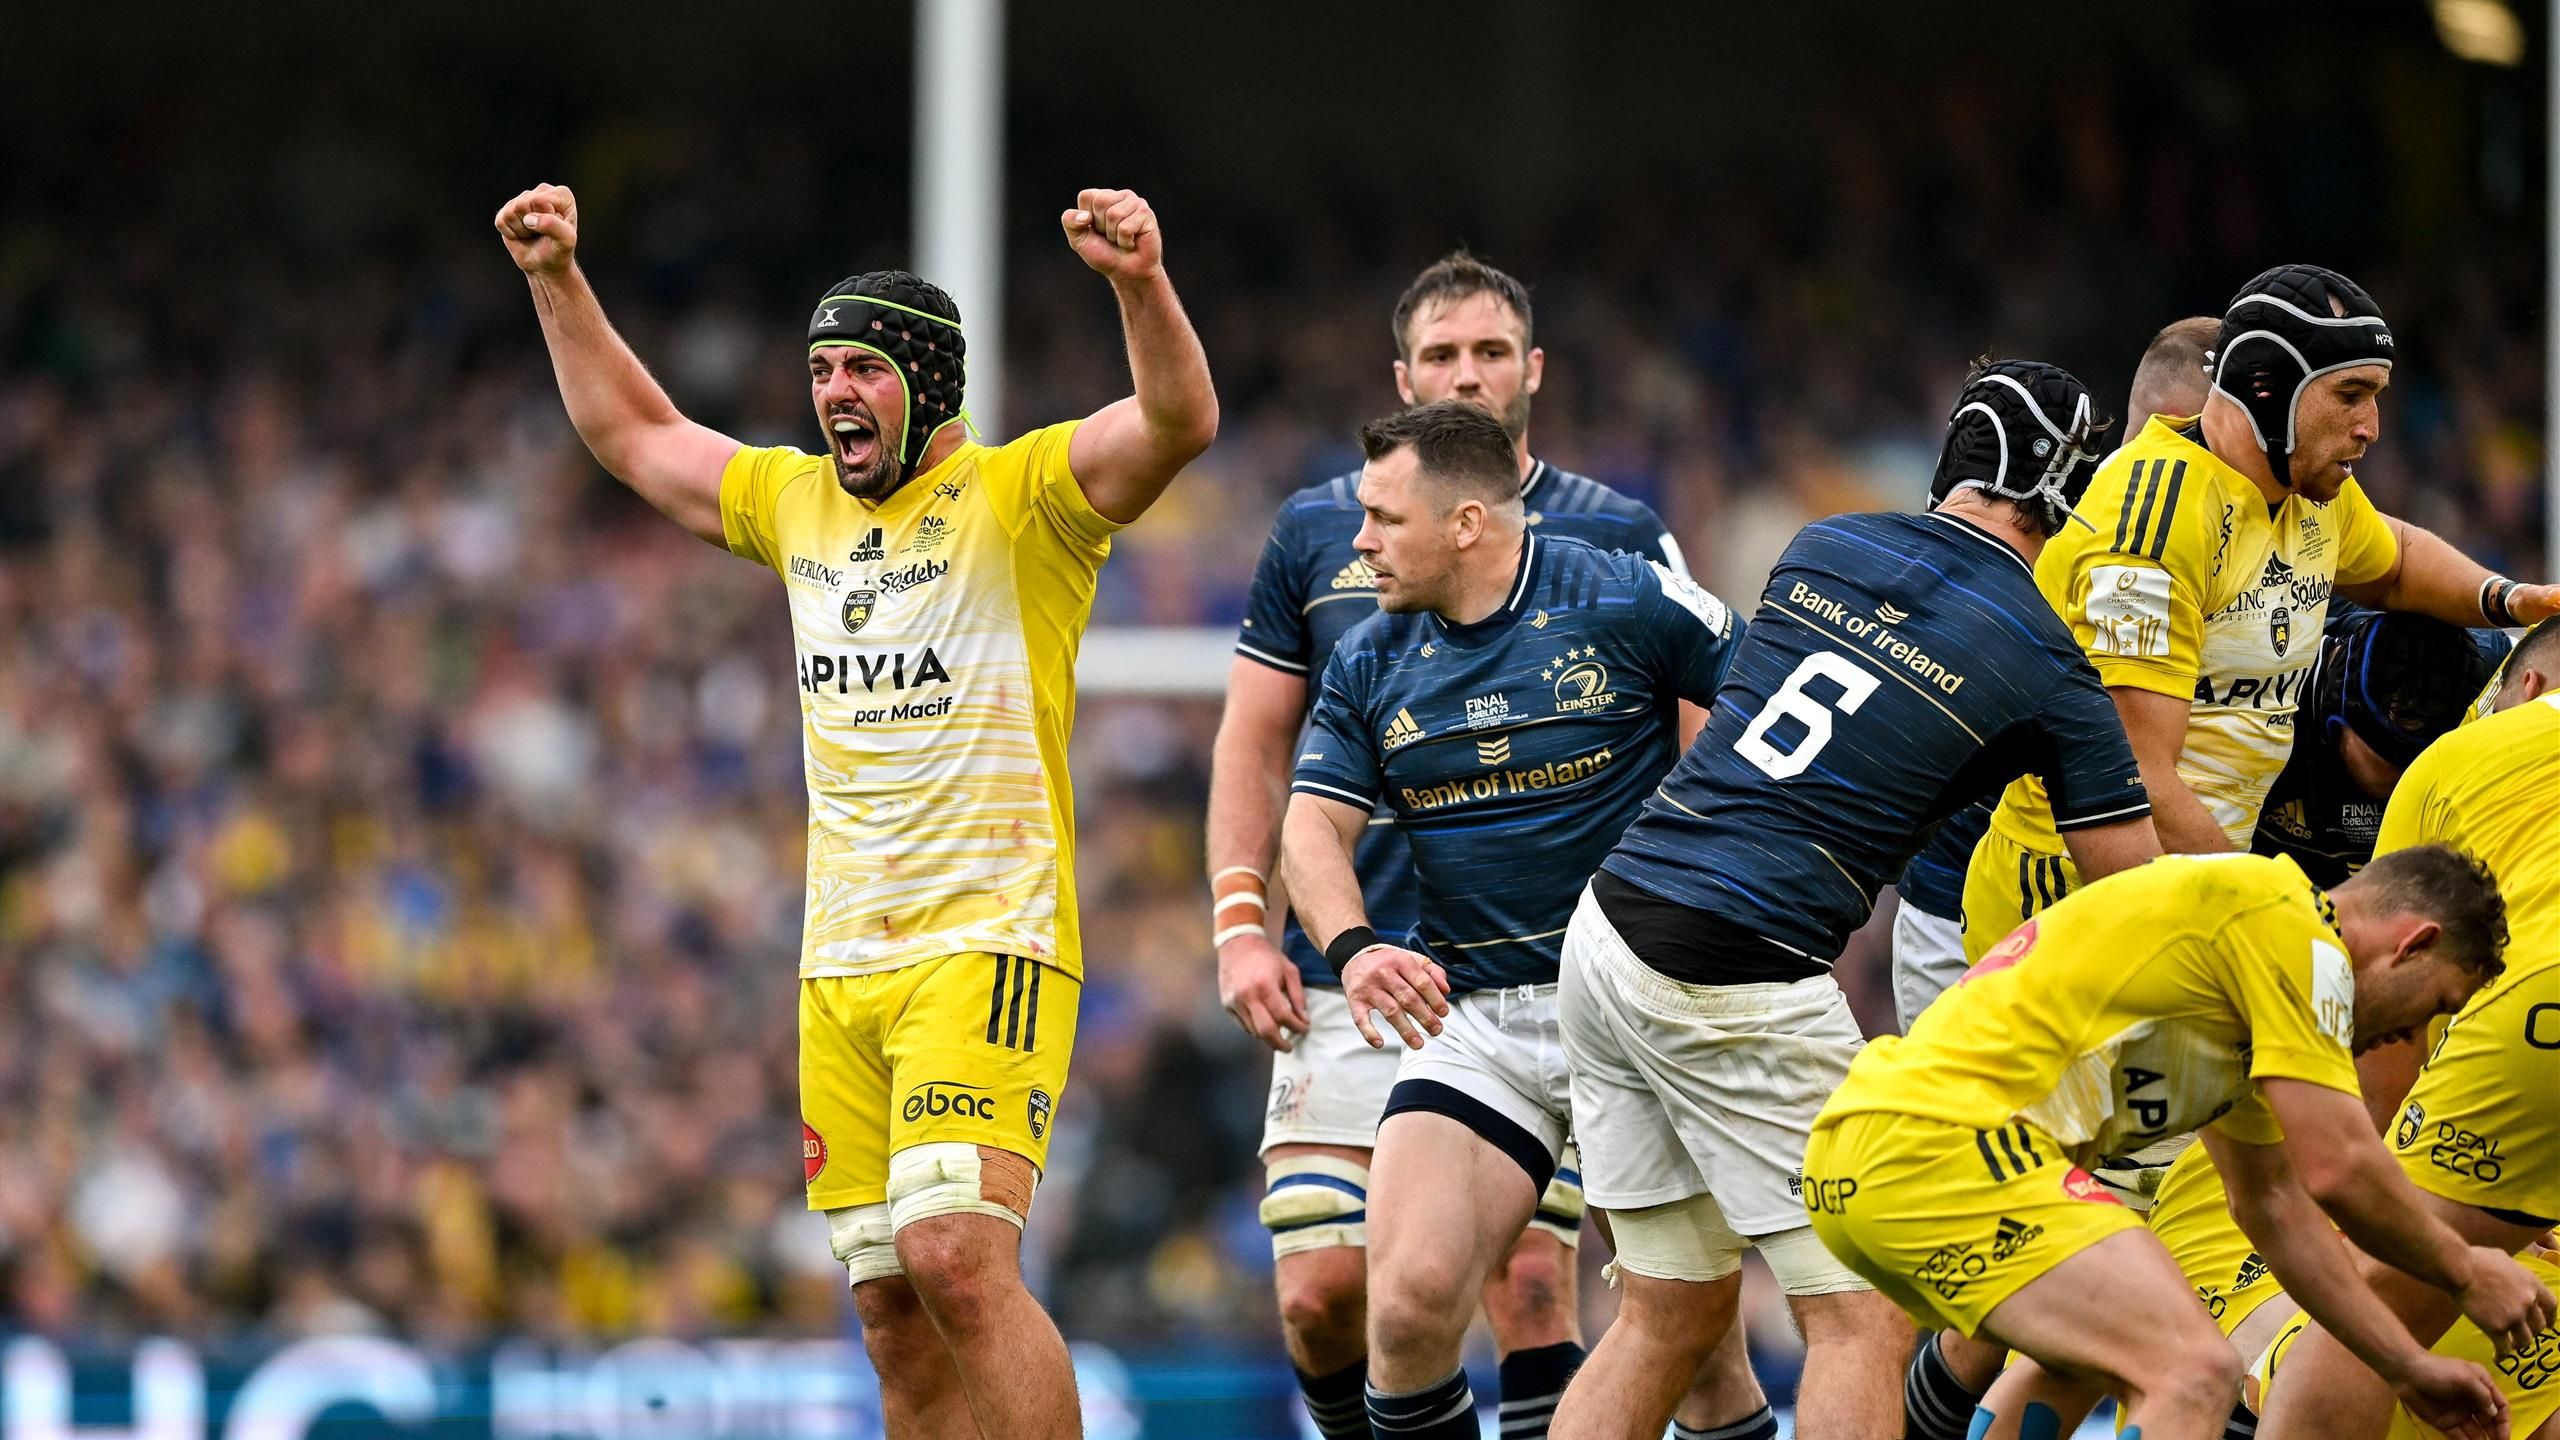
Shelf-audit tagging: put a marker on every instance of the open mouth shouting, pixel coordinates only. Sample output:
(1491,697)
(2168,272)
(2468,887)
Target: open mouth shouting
(856,438)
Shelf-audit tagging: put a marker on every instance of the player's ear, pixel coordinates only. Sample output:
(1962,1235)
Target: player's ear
(2531,685)
(1537,373)
(1404,386)
(2418,939)
(1467,521)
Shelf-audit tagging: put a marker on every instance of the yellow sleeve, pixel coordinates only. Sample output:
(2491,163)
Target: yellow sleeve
(2368,549)
(2296,990)
(2133,590)
(1034,484)
(2251,1122)
(751,488)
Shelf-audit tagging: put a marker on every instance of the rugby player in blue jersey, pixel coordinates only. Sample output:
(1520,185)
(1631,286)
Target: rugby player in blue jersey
(1463,330)
(1513,707)
(1900,667)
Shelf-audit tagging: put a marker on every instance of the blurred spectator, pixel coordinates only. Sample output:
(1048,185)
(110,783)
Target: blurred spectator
(400,829)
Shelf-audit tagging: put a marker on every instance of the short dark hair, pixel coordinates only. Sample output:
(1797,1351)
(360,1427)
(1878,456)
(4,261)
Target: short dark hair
(2538,650)
(2453,889)
(1455,443)
(1455,276)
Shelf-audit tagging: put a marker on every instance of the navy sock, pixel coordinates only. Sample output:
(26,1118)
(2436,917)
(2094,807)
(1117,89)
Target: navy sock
(1339,1402)
(1935,1404)
(1445,1411)
(1760,1424)
(1532,1382)
(2242,1424)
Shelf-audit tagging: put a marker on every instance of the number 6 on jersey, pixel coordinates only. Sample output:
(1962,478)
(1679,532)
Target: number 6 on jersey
(1790,701)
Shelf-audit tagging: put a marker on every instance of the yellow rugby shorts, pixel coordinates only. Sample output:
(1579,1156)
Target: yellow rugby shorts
(1949,1220)
(968,1048)
(2005,885)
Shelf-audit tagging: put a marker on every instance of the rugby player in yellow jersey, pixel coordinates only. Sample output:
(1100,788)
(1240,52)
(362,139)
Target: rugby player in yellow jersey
(2218,992)
(2480,1134)
(2199,573)
(938,588)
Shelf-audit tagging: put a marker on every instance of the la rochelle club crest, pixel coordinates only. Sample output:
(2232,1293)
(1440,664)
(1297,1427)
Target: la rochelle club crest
(858,605)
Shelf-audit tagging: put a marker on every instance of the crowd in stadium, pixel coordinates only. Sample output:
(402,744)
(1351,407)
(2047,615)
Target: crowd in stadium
(400,829)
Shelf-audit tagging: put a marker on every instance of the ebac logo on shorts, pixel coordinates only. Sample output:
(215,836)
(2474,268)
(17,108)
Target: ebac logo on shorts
(937,1098)
(813,1152)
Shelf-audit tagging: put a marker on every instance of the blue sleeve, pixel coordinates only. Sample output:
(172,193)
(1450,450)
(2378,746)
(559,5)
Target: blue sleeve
(1275,614)
(1340,760)
(2091,774)
(1694,633)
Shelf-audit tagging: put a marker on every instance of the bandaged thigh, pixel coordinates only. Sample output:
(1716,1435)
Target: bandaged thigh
(1560,1210)
(958,1178)
(1685,1239)
(862,1237)
(1803,1265)
(1315,1202)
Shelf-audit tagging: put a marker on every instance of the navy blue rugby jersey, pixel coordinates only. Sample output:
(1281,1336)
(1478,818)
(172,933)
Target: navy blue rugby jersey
(1900,667)
(1311,588)
(1933,883)
(1514,750)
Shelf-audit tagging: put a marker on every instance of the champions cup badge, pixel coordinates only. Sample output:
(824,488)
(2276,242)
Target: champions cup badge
(1039,1113)
(2280,628)
(857,609)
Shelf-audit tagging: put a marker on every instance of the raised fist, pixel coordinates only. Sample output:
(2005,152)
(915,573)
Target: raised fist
(540,228)
(1114,231)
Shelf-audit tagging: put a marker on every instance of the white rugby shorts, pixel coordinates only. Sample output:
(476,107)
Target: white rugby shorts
(1680,1090)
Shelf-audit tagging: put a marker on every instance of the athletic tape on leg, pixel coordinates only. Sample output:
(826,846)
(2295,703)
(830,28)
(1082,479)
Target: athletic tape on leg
(862,1237)
(1685,1239)
(1315,1202)
(1802,1265)
(946,1178)
(1561,1209)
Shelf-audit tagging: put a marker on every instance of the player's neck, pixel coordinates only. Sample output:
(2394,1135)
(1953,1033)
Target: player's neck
(1487,579)
(2001,522)
(1528,463)
(2228,436)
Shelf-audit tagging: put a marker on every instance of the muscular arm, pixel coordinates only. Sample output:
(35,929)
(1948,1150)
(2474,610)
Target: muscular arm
(1315,854)
(2287,1226)
(2430,577)
(1248,787)
(2330,1142)
(1128,451)
(2157,726)
(2098,851)
(624,418)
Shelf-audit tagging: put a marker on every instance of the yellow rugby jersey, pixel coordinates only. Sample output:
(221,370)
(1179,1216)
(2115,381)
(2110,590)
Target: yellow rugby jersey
(2480,1125)
(2176,578)
(2145,1005)
(937,634)
(2489,788)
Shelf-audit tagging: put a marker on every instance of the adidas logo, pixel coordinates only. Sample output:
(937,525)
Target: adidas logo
(2012,1236)
(1891,614)
(1496,751)
(1401,731)
(1355,576)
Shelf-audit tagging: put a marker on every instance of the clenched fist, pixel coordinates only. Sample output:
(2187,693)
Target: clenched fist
(1114,231)
(540,227)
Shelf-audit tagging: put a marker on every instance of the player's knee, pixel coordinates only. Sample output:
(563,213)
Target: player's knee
(2195,1377)
(1418,1307)
(1324,1300)
(940,1197)
(1532,1289)
(895,1329)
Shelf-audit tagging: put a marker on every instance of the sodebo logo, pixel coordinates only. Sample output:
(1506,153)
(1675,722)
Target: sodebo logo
(937,1098)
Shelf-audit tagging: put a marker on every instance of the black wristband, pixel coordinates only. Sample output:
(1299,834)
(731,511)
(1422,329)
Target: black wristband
(2493,602)
(1350,942)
